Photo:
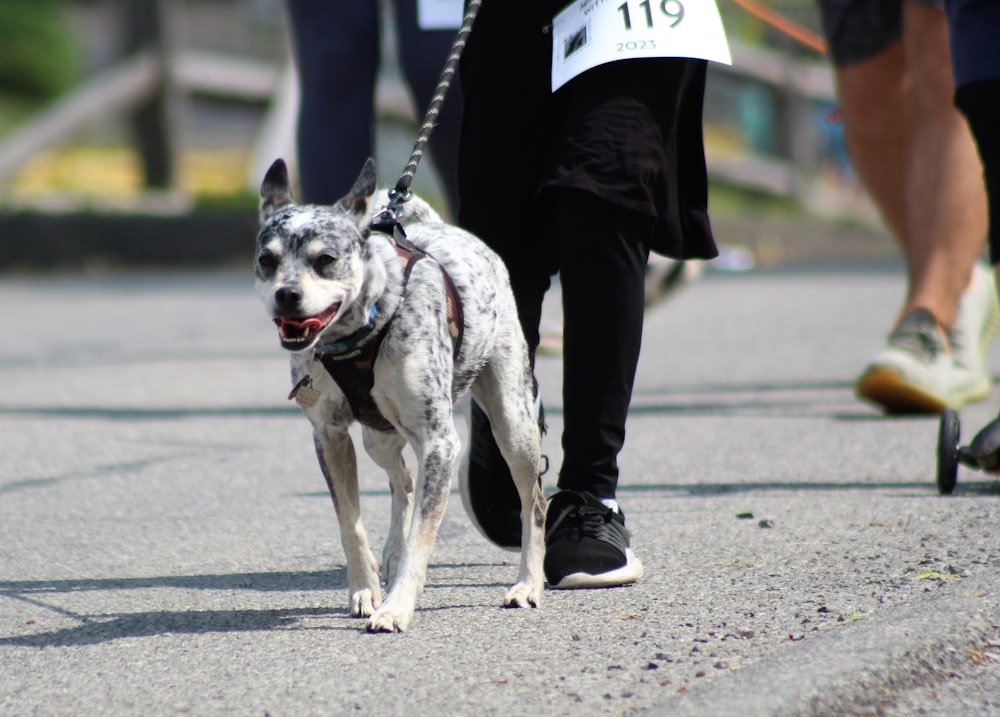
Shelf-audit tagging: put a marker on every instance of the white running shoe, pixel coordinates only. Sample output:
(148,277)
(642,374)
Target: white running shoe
(972,335)
(923,370)
(914,373)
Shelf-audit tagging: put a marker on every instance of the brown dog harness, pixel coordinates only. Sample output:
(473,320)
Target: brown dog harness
(353,366)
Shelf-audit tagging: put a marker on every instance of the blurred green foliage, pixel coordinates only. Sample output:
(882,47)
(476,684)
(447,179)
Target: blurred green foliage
(37,53)
(726,199)
(239,201)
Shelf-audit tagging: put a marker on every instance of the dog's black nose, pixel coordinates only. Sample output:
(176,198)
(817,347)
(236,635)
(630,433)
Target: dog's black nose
(287,298)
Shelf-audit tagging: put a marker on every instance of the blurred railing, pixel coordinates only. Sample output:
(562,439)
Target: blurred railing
(148,86)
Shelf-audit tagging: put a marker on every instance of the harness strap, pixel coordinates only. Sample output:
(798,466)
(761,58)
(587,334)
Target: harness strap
(409,254)
(356,377)
(354,371)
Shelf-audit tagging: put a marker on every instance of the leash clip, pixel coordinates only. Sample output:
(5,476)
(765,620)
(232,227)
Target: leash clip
(387,220)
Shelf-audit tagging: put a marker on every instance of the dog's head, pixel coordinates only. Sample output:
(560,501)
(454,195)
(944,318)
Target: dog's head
(309,264)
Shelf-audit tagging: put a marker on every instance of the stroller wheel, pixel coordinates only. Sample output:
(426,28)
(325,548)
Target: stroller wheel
(947,452)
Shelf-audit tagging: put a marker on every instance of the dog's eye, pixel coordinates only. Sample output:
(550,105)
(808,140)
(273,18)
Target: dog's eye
(324,261)
(267,260)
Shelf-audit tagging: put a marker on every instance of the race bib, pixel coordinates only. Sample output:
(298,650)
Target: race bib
(589,33)
(440,14)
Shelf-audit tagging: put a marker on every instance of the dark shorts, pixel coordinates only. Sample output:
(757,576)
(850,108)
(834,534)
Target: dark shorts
(980,102)
(975,50)
(857,30)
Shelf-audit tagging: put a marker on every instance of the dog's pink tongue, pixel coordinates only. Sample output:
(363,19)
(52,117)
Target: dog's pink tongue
(310,323)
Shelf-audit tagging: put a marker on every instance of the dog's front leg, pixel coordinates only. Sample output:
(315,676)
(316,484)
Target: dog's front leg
(437,456)
(340,468)
(386,449)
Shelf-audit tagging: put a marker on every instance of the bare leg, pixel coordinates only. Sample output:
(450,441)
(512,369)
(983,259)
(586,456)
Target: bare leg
(947,209)
(874,100)
(914,153)
(915,156)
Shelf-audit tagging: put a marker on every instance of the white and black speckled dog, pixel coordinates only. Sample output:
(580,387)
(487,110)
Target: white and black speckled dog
(390,333)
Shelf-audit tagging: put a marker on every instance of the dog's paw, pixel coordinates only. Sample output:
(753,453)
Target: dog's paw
(388,620)
(523,595)
(364,602)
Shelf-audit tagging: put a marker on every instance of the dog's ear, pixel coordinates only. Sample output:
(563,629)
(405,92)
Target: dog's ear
(275,190)
(358,201)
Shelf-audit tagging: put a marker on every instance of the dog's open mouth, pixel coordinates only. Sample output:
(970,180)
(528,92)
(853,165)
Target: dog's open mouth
(299,331)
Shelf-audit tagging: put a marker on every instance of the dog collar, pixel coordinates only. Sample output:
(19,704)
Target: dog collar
(348,343)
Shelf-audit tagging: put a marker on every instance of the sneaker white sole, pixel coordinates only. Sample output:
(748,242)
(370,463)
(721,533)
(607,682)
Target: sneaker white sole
(890,390)
(628,573)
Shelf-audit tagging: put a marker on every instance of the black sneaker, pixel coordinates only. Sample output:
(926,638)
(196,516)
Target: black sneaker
(486,486)
(587,544)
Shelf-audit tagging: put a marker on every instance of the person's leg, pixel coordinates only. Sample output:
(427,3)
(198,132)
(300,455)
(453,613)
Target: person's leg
(336,45)
(947,210)
(602,258)
(422,56)
(911,152)
(946,201)
(873,90)
(601,252)
(875,111)
(498,180)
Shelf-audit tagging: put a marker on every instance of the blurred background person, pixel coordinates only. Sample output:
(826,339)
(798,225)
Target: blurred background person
(337,49)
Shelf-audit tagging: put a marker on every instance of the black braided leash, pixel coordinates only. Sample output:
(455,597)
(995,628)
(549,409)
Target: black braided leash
(388,217)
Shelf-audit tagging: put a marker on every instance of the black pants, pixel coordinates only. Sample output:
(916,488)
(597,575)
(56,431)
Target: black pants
(599,251)
(980,102)
(581,182)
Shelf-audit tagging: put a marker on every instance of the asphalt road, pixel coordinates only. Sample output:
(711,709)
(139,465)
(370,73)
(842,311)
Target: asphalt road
(167,545)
